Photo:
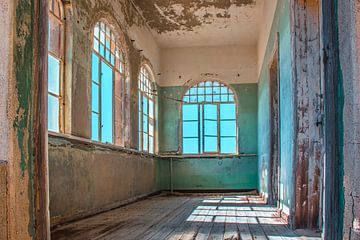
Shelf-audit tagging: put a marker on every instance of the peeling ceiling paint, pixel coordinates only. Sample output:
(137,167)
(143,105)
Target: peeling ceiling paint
(179,23)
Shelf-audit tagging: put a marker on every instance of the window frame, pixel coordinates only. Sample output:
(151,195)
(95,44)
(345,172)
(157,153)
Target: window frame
(114,36)
(61,20)
(201,122)
(150,97)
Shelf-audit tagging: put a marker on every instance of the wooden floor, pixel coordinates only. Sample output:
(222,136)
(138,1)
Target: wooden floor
(183,217)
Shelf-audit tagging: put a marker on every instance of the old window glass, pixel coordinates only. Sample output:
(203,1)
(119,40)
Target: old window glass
(107,57)
(55,65)
(209,119)
(146,112)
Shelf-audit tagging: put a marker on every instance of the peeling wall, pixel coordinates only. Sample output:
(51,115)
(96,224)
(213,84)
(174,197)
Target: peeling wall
(281,24)
(210,173)
(231,64)
(349,44)
(86,179)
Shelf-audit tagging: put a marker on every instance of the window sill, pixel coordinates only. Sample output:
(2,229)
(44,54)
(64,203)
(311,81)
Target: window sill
(217,156)
(100,145)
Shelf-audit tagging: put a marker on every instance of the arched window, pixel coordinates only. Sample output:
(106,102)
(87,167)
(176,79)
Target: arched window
(209,120)
(55,65)
(146,112)
(108,67)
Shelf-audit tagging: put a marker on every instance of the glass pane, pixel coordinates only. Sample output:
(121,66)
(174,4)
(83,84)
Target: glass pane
(193,99)
(95,68)
(216,98)
(95,98)
(151,145)
(106,104)
(151,108)
(96,30)
(54,75)
(145,124)
(53,114)
(228,128)
(190,146)
(145,105)
(190,129)
(193,91)
(190,112)
(210,111)
(231,98)
(102,50)
(228,145)
(210,144)
(95,127)
(210,127)
(227,111)
(145,142)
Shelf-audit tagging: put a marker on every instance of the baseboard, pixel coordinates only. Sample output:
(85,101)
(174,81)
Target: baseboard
(61,220)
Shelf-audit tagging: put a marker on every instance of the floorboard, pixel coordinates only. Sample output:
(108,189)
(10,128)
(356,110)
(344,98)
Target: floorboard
(185,217)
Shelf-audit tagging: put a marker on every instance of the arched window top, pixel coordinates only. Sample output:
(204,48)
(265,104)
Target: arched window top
(55,7)
(146,83)
(211,92)
(107,46)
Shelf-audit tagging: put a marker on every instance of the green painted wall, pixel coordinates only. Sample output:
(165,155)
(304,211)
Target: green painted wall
(280,25)
(212,173)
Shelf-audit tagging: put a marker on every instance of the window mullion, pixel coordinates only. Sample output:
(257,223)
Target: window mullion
(218,128)
(99,102)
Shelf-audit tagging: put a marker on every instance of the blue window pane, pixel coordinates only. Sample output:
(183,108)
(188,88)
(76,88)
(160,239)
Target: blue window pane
(224,90)
(145,124)
(210,144)
(208,98)
(210,128)
(145,105)
(53,113)
(190,145)
(54,75)
(201,90)
(193,99)
(208,90)
(210,111)
(145,141)
(190,129)
(190,112)
(228,145)
(95,127)
(231,98)
(95,68)
(228,128)
(201,98)
(95,97)
(106,104)
(151,145)
(107,55)
(102,50)
(227,111)
(216,90)
(216,98)
(187,99)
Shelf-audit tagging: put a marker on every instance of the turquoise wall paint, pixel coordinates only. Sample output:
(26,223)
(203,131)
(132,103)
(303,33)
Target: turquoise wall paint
(211,173)
(281,24)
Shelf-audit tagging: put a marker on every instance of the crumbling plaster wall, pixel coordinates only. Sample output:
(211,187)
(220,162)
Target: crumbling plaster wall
(349,44)
(87,178)
(232,64)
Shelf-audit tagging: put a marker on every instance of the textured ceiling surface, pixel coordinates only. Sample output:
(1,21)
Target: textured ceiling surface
(188,23)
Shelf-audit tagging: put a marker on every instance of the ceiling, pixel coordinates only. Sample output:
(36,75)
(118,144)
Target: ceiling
(189,23)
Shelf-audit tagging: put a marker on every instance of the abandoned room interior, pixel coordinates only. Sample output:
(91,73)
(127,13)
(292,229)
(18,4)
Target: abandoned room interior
(179,119)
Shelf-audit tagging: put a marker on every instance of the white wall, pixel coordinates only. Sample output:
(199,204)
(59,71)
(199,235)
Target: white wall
(221,62)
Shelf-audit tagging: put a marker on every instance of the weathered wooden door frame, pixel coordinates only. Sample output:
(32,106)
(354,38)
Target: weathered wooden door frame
(41,172)
(308,128)
(274,95)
